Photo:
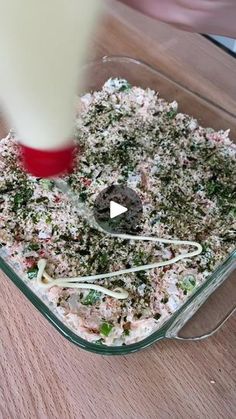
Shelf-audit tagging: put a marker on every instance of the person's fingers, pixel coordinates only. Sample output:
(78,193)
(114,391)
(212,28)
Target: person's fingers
(162,10)
(204,16)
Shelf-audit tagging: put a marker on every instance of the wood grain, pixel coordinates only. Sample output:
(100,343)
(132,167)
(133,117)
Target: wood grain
(44,376)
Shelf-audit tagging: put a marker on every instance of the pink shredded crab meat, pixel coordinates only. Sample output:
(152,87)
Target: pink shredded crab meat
(185,176)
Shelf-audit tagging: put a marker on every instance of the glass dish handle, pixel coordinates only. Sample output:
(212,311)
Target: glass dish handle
(208,310)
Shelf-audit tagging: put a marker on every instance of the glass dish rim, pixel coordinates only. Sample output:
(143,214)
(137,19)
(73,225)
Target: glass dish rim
(102,349)
(127,59)
(160,333)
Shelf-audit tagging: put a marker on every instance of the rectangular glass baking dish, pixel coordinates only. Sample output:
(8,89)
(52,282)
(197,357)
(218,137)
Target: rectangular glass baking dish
(215,300)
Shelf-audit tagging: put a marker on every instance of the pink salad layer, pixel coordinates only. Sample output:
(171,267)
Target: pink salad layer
(185,176)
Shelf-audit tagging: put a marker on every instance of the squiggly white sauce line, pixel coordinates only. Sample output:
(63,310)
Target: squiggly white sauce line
(119,293)
(79,282)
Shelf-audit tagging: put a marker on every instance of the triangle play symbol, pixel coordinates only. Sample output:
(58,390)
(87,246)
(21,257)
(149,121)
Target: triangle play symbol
(116,209)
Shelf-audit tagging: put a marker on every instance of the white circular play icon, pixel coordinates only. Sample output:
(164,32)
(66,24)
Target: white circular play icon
(116,209)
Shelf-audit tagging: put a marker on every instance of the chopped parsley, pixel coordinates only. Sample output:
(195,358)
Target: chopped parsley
(21,198)
(91,298)
(187,284)
(165,299)
(171,114)
(83,196)
(106,328)
(34,246)
(32,272)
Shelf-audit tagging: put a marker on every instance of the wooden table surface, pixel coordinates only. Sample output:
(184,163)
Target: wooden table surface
(44,376)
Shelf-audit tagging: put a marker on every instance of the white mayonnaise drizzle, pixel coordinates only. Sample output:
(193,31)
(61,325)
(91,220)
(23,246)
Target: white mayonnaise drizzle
(83,282)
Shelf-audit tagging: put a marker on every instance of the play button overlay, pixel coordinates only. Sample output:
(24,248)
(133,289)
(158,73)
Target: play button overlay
(118,209)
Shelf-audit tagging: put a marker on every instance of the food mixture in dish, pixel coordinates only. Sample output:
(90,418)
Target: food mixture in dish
(185,176)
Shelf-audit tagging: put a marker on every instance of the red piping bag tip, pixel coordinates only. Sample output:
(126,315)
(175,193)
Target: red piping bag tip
(47,163)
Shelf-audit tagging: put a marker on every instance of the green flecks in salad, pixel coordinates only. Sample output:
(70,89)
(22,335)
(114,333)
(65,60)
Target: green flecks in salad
(187,284)
(185,176)
(91,298)
(32,272)
(106,328)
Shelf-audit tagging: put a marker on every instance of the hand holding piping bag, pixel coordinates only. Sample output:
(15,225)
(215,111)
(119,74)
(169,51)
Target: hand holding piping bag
(203,16)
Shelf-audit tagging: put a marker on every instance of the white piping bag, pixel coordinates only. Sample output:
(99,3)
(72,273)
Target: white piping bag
(43,44)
